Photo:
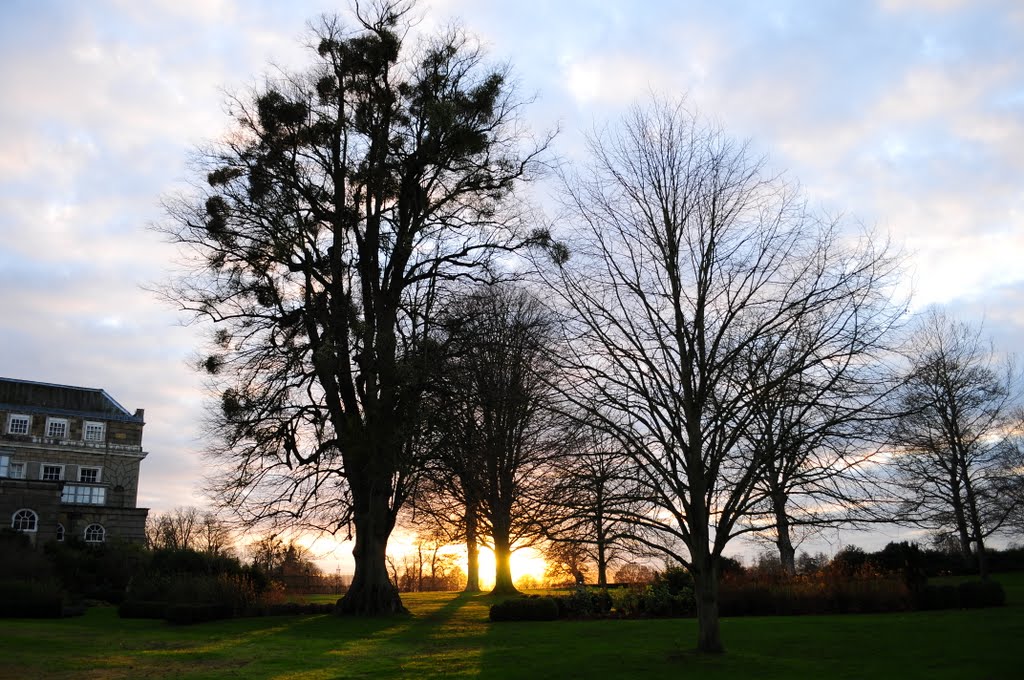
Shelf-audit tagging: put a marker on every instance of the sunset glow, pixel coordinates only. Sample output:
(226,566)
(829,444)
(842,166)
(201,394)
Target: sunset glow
(525,562)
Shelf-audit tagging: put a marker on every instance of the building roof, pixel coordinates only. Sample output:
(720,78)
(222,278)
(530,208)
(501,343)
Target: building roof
(37,397)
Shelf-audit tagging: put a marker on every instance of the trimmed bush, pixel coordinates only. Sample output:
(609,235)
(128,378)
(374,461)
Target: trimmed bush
(669,596)
(97,571)
(142,609)
(292,609)
(808,596)
(584,603)
(31,599)
(976,594)
(185,614)
(525,609)
(933,597)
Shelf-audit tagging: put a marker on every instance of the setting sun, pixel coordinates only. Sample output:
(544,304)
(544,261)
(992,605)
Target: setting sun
(525,562)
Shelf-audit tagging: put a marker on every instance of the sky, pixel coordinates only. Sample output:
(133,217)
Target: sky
(906,116)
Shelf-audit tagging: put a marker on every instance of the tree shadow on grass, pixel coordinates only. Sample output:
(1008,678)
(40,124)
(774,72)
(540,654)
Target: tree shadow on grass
(440,638)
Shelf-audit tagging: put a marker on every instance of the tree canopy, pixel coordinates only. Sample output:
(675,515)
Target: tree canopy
(342,201)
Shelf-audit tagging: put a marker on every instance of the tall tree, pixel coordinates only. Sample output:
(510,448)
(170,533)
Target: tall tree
(958,438)
(503,431)
(690,264)
(342,198)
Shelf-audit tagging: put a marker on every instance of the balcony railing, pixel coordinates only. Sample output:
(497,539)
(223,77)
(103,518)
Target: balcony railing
(72,443)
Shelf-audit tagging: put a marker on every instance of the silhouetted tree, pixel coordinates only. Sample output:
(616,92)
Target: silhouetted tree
(593,505)
(188,528)
(959,457)
(819,431)
(691,264)
(634,573)
(340,201)
(502,430)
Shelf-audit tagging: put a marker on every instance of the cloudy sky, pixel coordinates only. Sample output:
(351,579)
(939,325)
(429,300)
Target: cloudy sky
(907,115)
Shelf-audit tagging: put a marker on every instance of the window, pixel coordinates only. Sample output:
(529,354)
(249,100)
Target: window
(24,520)
(89,475)
(17,424)
(52,473)
(57,428)
(89,495)
(60,532)
(94,533)
(95,432)
(8,468)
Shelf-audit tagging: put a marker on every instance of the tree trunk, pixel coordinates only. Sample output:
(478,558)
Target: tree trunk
(472,553)
(975,517)
(787,553)
(602,564)
(371,592)
(959,516)
(503,584)
(704,566)
(705,583)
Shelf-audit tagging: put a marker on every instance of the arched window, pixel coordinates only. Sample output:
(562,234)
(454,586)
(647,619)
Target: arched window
(60,532)
(94,533)
(24,520)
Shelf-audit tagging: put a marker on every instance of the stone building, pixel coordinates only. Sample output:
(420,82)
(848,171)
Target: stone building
(69,463)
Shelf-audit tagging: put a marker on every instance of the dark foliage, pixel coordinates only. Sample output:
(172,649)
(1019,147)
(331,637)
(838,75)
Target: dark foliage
(97,572)
(931,597)
(525,609)
(142,609)
(977,594)
(655,602)
(30,599)
(184,614)
(291,609)
(584,603)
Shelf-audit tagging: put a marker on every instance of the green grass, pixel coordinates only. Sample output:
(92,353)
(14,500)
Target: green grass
(448,636)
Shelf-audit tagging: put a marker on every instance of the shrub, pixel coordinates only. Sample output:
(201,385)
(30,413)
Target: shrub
(677,580)
(812,595)
(655,601)
(932,597)
(525,609)
(186,561)
(233,592)
(730,567)
(184,614)
(294,609)
(142,609)
(976,594)
(30,599)
(584,603)
(97,571)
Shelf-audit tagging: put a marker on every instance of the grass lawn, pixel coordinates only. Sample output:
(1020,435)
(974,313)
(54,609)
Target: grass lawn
(448,636)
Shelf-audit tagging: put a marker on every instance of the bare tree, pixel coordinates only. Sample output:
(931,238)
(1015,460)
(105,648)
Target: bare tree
(690,265)
(820,433)
(188,528)
(959,458)
(502,430)
(341,200)
(593,506)
(567,561)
